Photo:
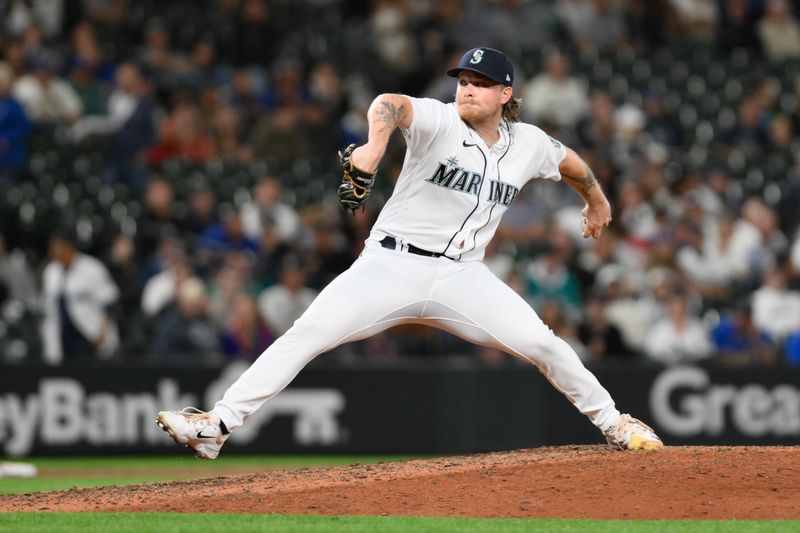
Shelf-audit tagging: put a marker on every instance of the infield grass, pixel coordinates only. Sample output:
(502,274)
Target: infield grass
(59,473)
(191,523)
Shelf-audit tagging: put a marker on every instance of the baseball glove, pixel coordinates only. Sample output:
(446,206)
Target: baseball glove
(356,184)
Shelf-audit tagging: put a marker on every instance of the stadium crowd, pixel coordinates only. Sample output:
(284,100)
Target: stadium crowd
(169,173)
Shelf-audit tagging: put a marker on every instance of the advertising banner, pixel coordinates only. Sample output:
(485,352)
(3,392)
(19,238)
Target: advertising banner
(389,409)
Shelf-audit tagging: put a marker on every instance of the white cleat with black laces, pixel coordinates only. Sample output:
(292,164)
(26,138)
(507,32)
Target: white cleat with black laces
(203,432)
(628,433)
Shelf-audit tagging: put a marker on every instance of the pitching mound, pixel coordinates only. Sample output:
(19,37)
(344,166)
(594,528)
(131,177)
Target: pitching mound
(564,482)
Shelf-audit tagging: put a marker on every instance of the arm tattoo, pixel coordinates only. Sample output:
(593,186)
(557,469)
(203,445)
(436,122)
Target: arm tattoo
(389,116)
(583,185)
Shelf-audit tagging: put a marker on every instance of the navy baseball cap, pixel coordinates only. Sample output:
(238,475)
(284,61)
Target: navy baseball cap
(486,61)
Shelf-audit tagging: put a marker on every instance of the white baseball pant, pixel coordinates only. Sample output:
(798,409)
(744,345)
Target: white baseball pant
(384,288)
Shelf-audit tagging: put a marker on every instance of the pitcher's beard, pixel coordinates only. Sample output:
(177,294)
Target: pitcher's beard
(477,118)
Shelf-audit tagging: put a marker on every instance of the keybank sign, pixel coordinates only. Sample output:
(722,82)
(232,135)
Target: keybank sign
(61,412)
(685,403)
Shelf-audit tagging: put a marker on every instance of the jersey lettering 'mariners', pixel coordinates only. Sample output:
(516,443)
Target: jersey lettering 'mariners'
(502,193)
(466,181)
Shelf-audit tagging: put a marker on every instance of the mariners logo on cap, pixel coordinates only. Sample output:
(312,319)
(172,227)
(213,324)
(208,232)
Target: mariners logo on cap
(476,57)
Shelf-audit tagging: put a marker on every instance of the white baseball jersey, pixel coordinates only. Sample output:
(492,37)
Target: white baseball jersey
(453,189)
(449,199)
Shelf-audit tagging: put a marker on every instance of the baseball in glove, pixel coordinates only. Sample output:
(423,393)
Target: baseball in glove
(356,184)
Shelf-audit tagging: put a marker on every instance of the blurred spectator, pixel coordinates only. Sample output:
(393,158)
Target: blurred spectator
(282,304)
(282,136)
(87,56)
(124,269)
(257,36)
(554,97)
(88,89)
(779,31)
(16,276)
(593,258)
(227,236)
(332,253)
(649,23)
(126,273)
(165,65)
(499,262)
(748,133)
(183,135)
(128,127)
(679,337)
(266,209)
(712,260)
(602,339)
(698,19)
(745,240)
(79,294)
(326,88)
(549,278)
(185,333)
(663,127)
(780,133)
(597,130)
(631,142)
(331,97)
(633,311)
(47,98)
(737,26)
(512,24)
(201,213)
(227,133)
(771,241)
(17,16)
(391,30)
(794,254)
(793,350)
(739,342)
(14,130)
(14,54)
(47,15)
(33,43)
(158,218)
(636,215)
(593,24)
(246,335)
(228,285)
(790,199)
(159,291)
(776,308)
(245,93)
(204,67)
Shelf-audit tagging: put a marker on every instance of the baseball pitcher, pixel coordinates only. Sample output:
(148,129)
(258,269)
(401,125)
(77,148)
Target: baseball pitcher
(465,163)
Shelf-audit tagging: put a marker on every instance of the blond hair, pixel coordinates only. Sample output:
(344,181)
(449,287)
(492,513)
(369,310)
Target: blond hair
(512,109)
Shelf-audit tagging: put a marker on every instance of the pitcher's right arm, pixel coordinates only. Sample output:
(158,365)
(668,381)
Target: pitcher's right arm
(386,113)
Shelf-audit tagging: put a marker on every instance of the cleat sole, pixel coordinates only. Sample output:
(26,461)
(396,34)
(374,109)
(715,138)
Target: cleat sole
(640,443)
(166,427)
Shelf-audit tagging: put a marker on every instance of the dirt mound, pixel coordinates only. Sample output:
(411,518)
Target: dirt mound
(564,482)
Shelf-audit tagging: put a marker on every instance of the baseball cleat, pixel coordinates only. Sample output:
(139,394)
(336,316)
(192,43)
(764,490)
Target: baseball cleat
(632,434)
(202,432)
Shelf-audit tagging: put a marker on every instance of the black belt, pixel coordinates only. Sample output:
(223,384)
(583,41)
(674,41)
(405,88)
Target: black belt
(391,243)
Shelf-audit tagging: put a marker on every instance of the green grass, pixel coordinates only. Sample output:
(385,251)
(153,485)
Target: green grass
(191,523)
(98,471)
